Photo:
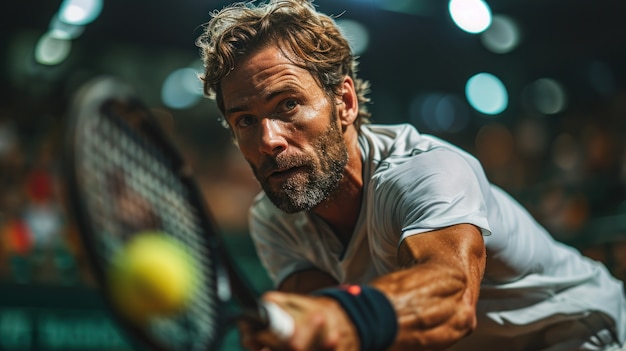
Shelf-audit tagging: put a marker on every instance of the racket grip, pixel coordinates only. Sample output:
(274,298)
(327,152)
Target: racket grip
(279,321)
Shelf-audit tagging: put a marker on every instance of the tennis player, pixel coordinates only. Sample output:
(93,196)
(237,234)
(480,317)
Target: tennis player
(376,236)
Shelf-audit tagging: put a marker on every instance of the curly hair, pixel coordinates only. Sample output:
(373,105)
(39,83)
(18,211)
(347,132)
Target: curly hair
(314,38)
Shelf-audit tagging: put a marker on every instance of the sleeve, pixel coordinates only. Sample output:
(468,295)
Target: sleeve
(278,250)
(432,190)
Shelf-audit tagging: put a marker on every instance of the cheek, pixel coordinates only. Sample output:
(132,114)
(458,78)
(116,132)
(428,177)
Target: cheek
(246,149)
(243,139)
(313,120)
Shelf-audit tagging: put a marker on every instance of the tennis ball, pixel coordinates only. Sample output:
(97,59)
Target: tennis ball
(152,276)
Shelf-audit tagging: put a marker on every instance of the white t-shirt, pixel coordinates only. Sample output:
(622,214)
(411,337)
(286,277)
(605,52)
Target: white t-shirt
(416,183)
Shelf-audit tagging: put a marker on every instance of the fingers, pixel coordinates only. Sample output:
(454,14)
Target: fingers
(319,324)
(309,323)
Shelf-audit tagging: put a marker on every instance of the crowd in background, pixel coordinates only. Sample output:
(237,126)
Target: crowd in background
(36,245)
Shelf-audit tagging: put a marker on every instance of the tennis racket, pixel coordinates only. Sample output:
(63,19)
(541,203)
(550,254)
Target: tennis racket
(124,177)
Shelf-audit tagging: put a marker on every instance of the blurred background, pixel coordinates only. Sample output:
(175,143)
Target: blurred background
(536,89)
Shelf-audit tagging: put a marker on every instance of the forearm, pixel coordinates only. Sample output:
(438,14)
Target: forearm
(435,297)
(434,307)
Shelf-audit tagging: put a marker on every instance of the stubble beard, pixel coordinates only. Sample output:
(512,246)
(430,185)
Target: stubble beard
(304,191)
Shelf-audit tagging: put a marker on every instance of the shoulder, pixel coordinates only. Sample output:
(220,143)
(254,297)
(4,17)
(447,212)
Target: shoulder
(432,173)
(399,143)
(384,140)
(435,162)
(436,175)
(398,158)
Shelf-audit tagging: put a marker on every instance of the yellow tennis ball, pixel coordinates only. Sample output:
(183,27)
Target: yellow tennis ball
(152,276)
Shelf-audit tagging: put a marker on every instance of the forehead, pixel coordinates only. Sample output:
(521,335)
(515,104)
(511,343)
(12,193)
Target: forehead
(263,72)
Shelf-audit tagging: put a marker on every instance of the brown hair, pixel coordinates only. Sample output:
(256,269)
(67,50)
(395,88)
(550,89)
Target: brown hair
(315,39)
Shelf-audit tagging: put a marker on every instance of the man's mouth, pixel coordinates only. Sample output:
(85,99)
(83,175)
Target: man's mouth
(283,174)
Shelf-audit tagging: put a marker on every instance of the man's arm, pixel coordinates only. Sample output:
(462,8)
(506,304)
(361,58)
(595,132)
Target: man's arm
(434,295)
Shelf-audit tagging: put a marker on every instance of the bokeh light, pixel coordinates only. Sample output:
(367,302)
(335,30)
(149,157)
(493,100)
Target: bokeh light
(546,96)
(487,94)
(502,36)
(472,16)
(439,112)
(181,89)
(356,33)
(52,51)
(80,12)
(62,30)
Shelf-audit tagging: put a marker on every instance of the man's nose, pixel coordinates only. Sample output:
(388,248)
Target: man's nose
(273,141)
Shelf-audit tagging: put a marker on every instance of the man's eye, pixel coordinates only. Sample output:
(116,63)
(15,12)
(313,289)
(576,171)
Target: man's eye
(291,104)
(245,121)
(288,105)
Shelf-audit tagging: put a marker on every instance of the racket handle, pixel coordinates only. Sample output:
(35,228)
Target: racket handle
(280,322)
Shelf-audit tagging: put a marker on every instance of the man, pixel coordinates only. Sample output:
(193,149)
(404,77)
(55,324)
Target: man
(428,253)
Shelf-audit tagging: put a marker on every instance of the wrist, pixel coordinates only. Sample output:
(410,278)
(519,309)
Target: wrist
(370,311)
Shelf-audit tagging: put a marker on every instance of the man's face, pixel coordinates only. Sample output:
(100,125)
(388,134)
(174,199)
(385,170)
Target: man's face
(286,128)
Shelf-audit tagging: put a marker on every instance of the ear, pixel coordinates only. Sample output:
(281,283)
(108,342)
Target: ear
(347,103)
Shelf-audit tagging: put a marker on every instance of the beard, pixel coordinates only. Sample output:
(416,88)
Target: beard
(325,167)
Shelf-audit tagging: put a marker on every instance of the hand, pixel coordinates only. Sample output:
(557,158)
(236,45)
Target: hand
(320,325)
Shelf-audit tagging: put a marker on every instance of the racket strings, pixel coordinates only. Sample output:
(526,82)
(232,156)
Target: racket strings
(130,186)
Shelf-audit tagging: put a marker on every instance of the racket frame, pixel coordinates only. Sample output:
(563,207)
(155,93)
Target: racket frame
(91,99)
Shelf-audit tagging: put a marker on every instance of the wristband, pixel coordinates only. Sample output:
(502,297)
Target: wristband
(370,311)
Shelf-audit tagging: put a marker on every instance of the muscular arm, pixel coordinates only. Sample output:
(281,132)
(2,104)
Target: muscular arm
(435,295)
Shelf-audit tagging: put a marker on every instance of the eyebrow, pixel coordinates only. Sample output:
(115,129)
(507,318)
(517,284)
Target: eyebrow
(235,109)
(286,88)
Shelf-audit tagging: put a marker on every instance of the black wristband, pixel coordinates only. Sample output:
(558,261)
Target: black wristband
(371,313)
